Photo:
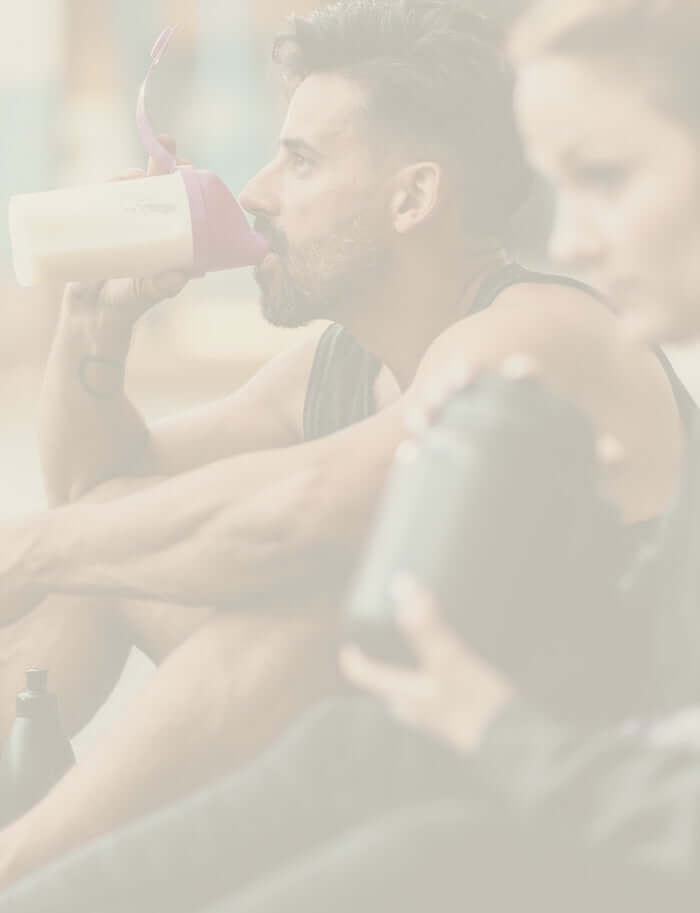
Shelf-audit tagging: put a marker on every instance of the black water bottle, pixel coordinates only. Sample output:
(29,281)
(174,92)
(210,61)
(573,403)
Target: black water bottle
(37,752)
(496,510)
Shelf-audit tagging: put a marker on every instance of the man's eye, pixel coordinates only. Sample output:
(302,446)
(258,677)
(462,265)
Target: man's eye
(300,163)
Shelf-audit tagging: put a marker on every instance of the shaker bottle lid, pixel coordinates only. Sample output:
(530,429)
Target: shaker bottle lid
(221,235)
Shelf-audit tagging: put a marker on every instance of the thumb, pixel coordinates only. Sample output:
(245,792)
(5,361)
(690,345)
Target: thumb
(170,283)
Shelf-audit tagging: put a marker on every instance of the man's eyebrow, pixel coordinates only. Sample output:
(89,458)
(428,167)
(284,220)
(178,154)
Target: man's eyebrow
(293,144)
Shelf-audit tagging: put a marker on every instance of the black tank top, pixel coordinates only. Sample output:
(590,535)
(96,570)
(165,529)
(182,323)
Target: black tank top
(340,391)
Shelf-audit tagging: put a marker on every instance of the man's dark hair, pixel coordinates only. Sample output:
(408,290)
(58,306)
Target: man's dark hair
(436,81)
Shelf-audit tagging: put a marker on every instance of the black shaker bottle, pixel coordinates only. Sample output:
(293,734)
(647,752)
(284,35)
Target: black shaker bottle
(496,510)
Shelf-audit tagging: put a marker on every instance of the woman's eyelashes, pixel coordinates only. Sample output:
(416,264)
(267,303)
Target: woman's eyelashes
(608,178)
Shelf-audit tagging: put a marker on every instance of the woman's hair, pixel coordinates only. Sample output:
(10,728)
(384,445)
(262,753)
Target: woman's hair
(653,41)
(436,81)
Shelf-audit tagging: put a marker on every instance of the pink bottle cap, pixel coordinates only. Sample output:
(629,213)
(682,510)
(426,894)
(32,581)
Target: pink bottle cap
(221,236)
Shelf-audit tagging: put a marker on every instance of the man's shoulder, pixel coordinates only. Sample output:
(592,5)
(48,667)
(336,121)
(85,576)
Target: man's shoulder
(541,318)
(583,354)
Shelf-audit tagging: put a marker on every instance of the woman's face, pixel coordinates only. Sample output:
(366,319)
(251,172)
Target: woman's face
(628,190)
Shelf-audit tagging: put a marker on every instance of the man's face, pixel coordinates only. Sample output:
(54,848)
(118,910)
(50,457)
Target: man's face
(321,203)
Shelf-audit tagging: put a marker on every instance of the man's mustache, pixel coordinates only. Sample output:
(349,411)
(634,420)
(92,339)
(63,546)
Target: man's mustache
(275,238)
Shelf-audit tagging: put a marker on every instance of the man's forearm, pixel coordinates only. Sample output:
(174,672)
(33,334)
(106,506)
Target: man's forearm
(89,431)
(246,527)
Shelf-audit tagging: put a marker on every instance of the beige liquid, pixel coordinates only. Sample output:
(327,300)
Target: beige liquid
(102,231)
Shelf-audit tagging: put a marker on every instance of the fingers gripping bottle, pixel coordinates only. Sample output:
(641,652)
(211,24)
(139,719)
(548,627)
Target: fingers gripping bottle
(185,219)
(37,752)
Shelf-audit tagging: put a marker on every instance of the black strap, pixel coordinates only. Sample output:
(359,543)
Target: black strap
(340,391)
(514,274)
(341,386)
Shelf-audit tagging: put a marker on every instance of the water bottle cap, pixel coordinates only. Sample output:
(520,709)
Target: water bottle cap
(35,699)
(37,679)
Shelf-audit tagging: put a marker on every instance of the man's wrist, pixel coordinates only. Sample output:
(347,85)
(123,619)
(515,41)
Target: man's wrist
(101,330)
(98,339)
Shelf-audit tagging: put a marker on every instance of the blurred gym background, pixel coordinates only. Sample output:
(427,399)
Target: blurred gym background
(69,77)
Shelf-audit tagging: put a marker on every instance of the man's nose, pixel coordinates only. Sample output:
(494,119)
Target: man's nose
(260,195)
(575,240)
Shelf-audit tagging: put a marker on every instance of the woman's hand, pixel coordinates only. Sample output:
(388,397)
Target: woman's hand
(453,694)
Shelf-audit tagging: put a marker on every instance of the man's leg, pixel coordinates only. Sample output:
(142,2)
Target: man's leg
(345,763)
(214,702)
(83,643)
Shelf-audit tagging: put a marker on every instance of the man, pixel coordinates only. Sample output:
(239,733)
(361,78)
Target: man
(386,208)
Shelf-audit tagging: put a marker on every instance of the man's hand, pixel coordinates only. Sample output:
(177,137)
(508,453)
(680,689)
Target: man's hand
(123,301)
(453,694)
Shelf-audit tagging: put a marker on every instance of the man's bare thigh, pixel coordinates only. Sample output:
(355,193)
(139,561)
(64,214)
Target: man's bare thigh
(157,628)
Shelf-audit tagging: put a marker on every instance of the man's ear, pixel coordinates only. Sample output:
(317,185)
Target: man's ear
(415,196)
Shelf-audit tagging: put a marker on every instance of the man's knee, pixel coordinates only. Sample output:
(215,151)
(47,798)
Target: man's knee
(80,641)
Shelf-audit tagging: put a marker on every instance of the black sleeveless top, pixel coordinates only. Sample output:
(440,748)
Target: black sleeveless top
(340,391)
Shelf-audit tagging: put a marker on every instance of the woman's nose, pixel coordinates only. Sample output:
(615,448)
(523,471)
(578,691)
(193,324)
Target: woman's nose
(574,241)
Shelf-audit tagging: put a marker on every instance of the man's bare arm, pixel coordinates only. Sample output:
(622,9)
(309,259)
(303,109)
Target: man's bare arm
(260,523)
(244,527)
(91,432)
(88,429)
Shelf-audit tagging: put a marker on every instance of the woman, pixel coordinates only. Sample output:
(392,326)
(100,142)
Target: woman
(607,101)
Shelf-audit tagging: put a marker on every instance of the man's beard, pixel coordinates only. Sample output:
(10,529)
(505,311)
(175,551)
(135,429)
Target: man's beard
(322,280)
